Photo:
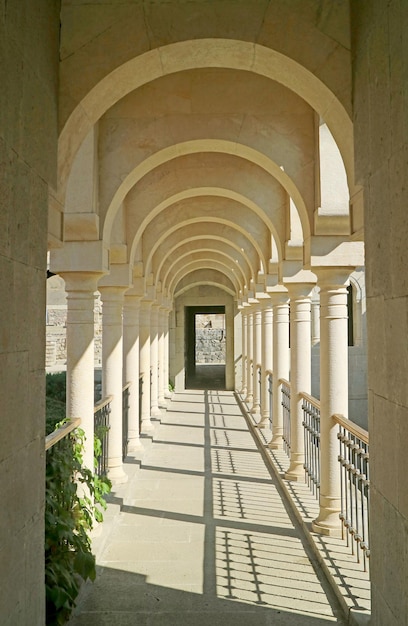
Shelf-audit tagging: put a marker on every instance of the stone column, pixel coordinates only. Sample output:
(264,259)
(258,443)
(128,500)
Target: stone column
(333,392)
(161,335)
(281,360)
(112,375)
(167,393)
(81,288)
(315,319)
(266,360)
(154,360)
(131,366)
(244,319)
(300,372)
(144,344)
(257,356)
(250,355)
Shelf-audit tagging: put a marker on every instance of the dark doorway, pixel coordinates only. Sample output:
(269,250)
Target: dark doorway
(205,347)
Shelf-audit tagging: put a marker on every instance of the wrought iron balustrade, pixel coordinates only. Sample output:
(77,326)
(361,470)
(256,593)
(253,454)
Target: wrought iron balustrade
(285,401)
(311,425)
(355,486)
(101,428)
(125,419)
(270,393)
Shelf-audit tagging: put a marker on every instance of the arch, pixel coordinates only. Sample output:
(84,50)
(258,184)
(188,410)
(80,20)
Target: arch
(203,192)
(189,247)
(195,265)
(199,53)
(199,146)
(199,255)
(203,220)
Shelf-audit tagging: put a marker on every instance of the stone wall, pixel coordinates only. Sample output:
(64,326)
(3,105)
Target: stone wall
(210,346)
(380,79)
(29,37)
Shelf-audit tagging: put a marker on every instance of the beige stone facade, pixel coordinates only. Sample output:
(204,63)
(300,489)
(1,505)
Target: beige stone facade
(174,154)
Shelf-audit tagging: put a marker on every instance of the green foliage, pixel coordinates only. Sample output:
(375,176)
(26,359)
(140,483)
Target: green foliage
(73,501)
(55,386)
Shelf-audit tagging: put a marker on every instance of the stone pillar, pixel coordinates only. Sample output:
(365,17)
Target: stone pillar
(161,335)
(112,375)
(300,372)
(281,360)
(154,360)
(333,392)
(250,355)
(131,366)
(144,344)
(81,288)
(167,393)
(315,319)
(244,318)
(257,356)
(266,360)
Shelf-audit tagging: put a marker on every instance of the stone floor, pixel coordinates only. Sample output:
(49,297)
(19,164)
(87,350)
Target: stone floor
(200,534)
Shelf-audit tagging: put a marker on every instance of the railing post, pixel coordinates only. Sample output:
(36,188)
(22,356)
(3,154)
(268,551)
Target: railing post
(300,371)
(333,391)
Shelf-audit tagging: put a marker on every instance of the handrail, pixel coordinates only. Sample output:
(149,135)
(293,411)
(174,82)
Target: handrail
(102,403)
(311,399)
(283,381)
(353,428)
(126,386)
(61,432)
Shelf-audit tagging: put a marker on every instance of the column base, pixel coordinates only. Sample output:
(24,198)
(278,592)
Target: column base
(249,399)
(155,411)
(255,410)
(329,528)
(147,426)
(263,423)
(276,443)
(328,521)
(135,445)
(116,475)
(295,472)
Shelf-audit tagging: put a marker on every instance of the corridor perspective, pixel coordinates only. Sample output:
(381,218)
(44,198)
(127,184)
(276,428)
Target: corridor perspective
(200,534)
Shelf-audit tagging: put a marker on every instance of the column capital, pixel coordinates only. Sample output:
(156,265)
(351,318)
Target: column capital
(81,281)
(333,276)
(300,290)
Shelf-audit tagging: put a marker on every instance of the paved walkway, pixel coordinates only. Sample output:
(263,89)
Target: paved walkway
(200,535)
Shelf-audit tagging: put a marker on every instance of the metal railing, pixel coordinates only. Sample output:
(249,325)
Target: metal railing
(285,401)
(270,394)
(311,425)
(355,486)
(101,428)
(61,432)
(140,401)
(125,419)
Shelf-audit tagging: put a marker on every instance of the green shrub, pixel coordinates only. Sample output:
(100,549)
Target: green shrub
(74,498)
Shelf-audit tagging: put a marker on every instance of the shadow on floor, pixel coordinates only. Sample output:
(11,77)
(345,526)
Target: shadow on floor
(207,376)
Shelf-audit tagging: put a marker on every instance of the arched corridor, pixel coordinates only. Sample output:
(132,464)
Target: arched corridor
(157,155)
(200,533)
